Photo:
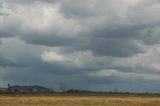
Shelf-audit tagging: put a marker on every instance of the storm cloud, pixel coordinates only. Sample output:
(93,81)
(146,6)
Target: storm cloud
(101,45)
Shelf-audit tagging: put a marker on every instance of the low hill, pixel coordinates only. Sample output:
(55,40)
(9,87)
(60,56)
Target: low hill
(34,88)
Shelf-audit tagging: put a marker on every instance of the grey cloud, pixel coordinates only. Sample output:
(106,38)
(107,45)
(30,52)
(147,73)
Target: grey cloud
(121,37)
(103,27)
(108,47)
(86,9)
(4,14)
(8,31)
(50,40)
(27,1)
(112,47)
(120,48)
(152,37)
(5,62)
(119,42)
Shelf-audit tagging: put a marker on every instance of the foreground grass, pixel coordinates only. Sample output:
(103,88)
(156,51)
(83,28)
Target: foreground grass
(79,100)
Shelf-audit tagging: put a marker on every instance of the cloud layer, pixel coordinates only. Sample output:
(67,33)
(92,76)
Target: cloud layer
(101,45)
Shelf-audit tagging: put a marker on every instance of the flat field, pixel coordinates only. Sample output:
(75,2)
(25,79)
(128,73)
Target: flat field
(80,100)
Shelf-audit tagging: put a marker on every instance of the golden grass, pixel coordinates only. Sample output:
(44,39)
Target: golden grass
(78,100)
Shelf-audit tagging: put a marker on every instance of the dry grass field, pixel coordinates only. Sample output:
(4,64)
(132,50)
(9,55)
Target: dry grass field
(79,100)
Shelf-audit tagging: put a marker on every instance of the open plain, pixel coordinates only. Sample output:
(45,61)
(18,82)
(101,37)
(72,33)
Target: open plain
(79,100)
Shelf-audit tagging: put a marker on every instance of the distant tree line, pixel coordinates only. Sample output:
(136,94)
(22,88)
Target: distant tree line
(62,87)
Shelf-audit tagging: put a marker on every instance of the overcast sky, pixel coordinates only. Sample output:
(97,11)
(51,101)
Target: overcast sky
(86,44)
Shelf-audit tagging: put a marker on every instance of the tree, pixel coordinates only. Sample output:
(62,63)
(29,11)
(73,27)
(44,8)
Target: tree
(9,85)
(9,88)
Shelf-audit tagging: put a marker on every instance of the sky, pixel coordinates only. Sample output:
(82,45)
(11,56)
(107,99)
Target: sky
(98,45)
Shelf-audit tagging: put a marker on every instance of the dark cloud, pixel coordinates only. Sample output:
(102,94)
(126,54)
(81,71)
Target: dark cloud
(49,40)
(96,45)
(109,40)
(5,62)
(4,14)
(108,47)
(119,42)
